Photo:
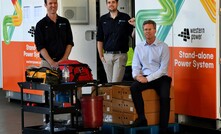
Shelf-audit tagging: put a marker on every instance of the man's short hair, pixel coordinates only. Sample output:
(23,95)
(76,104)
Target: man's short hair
(45,1)
(150,22)
(116,1)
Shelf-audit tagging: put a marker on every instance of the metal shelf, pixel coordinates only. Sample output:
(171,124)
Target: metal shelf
(39,130)
(50,108)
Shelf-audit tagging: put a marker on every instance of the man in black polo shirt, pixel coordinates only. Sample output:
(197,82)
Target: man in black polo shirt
(53,36)
(114,30)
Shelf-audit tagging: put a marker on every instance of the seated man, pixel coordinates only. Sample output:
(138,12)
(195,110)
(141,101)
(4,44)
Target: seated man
(149,69)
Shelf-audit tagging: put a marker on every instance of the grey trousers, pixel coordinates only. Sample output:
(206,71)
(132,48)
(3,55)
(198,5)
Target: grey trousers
(44,63)
(115,66)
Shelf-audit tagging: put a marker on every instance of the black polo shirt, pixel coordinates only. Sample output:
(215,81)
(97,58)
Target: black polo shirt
(54,37)
(114,33)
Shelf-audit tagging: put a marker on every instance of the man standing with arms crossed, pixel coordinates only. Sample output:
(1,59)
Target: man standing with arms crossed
(114,30)
(53,37)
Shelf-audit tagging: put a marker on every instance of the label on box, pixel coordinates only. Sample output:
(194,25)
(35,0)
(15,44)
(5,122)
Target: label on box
(108,97)
(131,109)
(107,118)
(129,96)
(86,90)
(131,122)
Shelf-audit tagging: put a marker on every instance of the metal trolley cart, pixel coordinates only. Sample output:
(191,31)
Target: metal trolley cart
(49,108)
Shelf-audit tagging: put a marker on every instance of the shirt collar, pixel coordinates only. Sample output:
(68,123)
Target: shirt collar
(156,42)
(49,20)
(118,14)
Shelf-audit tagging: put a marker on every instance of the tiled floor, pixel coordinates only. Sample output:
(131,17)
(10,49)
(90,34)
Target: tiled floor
(10,116)
(10,119)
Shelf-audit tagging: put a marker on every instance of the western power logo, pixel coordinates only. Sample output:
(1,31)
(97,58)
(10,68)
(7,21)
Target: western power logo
(192,34)
(185,34)
(32,31)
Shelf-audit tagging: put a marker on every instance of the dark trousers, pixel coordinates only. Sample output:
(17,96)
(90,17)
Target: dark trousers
(162,88)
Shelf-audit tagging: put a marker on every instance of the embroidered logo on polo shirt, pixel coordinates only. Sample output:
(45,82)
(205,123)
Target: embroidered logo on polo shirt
(62,24)
(121,21)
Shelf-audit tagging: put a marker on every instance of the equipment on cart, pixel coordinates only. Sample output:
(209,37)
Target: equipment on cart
(78,71)
(43,75)
(92,111)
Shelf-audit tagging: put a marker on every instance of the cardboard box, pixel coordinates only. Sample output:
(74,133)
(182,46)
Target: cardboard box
(117,105)
(153,118)
(106,92)
(122,92)
(151,106)
(107,106)
(120,105)
(172,92)
(114,117)
(107,117)
(151,94)
(128,107)
(128,119)
(117,91)
(172,117)
(126,94)
(154,106)
(172,105)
